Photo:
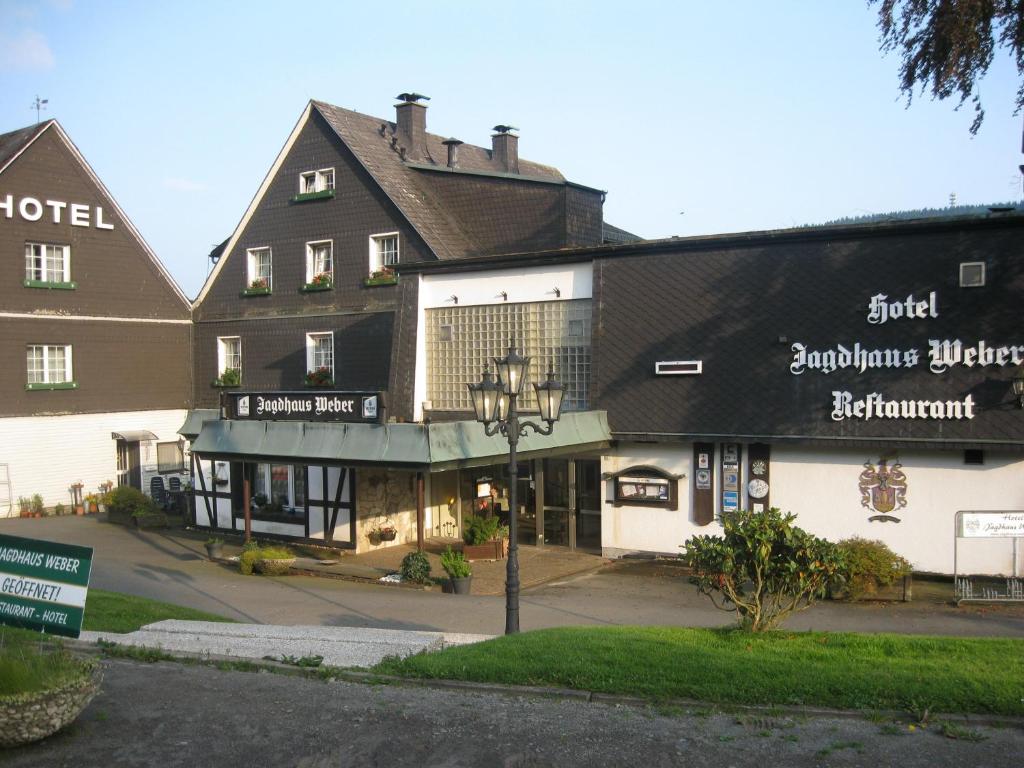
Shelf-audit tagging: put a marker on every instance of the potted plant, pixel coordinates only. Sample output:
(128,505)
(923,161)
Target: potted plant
(321,377)
(384,532)
(320,282)
(37,505)
(231,377)
(24,507)
(382,276)
(258,287)
(92,503)
(214,547)
(460,573)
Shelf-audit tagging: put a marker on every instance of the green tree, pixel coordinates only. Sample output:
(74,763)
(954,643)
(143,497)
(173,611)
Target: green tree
(947,46)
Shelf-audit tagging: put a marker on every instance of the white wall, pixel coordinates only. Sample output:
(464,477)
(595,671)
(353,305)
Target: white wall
(821,487)
(46,454)
(530,284)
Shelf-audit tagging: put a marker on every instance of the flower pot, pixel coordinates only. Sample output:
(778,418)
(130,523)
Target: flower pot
(215,551)
(388,535)
(461,585)
(79,509)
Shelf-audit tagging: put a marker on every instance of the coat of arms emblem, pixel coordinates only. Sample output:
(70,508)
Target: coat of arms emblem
(883,489)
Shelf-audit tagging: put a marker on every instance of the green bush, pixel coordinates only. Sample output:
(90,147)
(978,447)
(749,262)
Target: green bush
(763,568)
(37,504)
(415,567)
(869,565)
(455,564)
(131,502)
(59,510)
(254,554)
(479,530)
(27,667)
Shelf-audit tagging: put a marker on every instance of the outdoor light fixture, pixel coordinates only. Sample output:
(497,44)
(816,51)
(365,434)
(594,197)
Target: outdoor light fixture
(1018,387)
(495,401)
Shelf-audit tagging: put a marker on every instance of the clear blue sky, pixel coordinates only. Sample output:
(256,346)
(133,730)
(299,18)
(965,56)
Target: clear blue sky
(696,117)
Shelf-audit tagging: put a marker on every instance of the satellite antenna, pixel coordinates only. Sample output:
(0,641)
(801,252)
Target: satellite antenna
(39,105)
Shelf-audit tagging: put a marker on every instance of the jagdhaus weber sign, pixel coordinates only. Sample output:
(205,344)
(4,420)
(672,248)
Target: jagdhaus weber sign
(306,406)
(43,584)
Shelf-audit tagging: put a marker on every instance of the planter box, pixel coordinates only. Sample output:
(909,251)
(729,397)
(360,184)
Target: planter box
(489,550)
(29,717)
(158,520)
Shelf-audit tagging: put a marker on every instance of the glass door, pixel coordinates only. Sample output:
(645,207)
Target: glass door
(557,497)
(588,504)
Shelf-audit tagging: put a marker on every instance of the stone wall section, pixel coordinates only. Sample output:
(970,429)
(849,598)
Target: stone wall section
(385,498)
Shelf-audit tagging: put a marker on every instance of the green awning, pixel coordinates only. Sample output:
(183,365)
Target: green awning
(439,446)
(194,421)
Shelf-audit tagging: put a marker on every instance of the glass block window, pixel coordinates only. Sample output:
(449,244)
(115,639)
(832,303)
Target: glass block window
(461,339)
(47,263)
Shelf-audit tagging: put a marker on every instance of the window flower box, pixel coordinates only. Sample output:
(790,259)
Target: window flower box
(321,377)
(322,282)
(321,195)
(383,276)
(54,385)
(53,285)
(258,287)
(231,377)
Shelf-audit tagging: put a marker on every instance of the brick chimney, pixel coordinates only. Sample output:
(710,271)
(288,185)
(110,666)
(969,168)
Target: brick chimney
(411,120)
(505,147)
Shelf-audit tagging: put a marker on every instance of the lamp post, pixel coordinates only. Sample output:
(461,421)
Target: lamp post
(495,401)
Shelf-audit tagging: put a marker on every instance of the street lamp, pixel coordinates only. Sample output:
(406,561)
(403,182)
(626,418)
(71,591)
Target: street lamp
(495,401)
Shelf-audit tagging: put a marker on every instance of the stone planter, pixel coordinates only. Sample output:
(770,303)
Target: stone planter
(275,567)
(156,520)
(28,717)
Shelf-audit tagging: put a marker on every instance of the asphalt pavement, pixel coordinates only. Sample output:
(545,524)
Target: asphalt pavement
(174,568)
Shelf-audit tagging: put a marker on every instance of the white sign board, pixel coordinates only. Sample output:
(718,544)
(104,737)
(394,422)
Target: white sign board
(991,524)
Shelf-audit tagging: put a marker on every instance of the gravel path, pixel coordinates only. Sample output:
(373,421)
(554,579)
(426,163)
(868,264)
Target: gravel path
(178,715)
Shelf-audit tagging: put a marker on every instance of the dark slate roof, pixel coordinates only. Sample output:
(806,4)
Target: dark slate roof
(618,236)
(411,189)
(13,142)
(740,304)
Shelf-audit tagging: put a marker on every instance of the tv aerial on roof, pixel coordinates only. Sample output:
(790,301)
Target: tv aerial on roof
(411,98)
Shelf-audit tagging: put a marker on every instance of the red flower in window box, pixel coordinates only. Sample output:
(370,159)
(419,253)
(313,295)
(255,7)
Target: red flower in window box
(321,377)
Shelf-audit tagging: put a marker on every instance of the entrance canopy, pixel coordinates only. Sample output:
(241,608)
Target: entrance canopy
(133,435)
(441,446)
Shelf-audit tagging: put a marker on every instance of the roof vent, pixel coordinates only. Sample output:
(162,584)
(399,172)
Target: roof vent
(505,147)
(453,151)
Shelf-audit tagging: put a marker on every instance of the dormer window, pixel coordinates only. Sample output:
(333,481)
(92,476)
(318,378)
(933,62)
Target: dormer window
(316,181)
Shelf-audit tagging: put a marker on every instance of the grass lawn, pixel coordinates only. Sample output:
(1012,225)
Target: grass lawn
(116,612)
(847,671)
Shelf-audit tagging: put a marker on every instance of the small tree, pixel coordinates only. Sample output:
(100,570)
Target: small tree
(764,567)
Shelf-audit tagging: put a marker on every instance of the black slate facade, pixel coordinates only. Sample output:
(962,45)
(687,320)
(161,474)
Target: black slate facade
(780,324)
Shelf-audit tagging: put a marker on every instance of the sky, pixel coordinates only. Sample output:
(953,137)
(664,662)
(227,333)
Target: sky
(697,118)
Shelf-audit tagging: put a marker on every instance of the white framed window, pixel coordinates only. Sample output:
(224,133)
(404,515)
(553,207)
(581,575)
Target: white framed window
(49,363)
(45,262)
(319,259)
(229,356)
(316,181)
(320,352)
(260,271)
(383,251)
(279,489)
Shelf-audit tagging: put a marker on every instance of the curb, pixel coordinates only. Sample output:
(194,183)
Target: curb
(364,677)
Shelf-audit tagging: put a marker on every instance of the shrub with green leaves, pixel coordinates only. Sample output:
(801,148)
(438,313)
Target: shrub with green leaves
(763,567)
(125,500)
(479,530)
(258,557)
(869,565)
(415,567)
(455,564)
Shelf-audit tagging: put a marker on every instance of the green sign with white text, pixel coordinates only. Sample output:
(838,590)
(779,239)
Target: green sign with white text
(43,585)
